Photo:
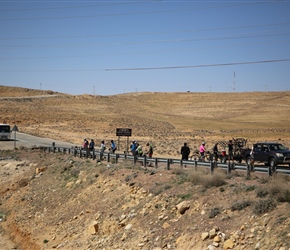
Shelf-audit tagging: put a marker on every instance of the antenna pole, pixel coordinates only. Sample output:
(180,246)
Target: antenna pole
(234,86)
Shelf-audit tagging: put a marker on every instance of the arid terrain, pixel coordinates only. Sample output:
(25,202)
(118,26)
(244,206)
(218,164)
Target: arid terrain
(56,201)
(166,119)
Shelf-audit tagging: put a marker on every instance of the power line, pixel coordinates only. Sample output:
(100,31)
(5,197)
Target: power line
(125,14)
(69,7)
(139,52)
(147,33)
(203,65)
(142,42)
(155,68)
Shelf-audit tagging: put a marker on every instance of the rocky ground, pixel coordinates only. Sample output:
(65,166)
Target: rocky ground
(56,201)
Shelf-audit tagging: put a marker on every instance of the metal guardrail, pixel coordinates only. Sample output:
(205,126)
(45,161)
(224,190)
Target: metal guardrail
(101,156)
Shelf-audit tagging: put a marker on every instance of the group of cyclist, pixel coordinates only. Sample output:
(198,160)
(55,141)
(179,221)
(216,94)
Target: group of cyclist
(137,149)
(185,151)
(91,146)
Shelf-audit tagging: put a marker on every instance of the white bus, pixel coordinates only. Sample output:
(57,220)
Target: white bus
(5,132)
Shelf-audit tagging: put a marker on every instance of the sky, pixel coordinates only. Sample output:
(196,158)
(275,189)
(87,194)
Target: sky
(116,47)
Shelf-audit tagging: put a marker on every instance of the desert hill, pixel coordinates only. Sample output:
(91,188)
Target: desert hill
(57,201)
(166,119)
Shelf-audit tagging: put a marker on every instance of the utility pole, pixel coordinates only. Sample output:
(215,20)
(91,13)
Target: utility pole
(234,85)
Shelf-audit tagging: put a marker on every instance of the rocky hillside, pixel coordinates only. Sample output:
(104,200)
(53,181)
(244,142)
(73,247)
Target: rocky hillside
(166,119)
(56,201)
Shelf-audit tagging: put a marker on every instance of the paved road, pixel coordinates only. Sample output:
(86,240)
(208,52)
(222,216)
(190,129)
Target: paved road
(31,141)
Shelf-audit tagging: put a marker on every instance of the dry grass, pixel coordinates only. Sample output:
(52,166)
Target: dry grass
(166,119)
(217,179)
(83,189)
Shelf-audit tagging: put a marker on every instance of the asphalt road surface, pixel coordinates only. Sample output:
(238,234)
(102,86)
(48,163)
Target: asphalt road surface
(29,141)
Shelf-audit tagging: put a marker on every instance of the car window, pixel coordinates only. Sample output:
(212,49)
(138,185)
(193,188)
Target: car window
(281,147)
(259,147)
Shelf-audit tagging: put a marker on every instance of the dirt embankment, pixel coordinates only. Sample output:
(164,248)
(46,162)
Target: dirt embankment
(131,207)
(56,201)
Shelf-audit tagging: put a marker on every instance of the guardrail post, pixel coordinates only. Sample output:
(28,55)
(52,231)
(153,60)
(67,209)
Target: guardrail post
(117,157)
(156,162)
(135,159)
(233,165)
(144,161)
(269,171)
(272,170)
(101,156)
(93,154)
(211,167)
(195,164)
(75,152)
(249,166)
(108,157)
(81,153)
(168,164)
(229,168)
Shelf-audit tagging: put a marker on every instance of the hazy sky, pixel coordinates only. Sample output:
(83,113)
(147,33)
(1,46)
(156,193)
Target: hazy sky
(112,47)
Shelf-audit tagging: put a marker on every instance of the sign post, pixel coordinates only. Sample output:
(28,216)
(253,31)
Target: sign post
(124,132)
(15,129)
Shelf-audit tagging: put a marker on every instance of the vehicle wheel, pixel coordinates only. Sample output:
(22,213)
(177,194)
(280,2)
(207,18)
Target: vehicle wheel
(272,162)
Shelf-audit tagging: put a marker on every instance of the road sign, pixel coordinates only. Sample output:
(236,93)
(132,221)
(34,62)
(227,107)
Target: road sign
(15,128)
(123,132)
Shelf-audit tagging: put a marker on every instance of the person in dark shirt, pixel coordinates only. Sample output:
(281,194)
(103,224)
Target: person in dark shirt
(185,151)
(215,151)
(231,149)
(92,145)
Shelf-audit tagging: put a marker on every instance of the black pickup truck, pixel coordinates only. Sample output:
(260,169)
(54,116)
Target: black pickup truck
(270,153)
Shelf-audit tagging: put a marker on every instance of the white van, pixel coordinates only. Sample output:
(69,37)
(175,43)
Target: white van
(5,131)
